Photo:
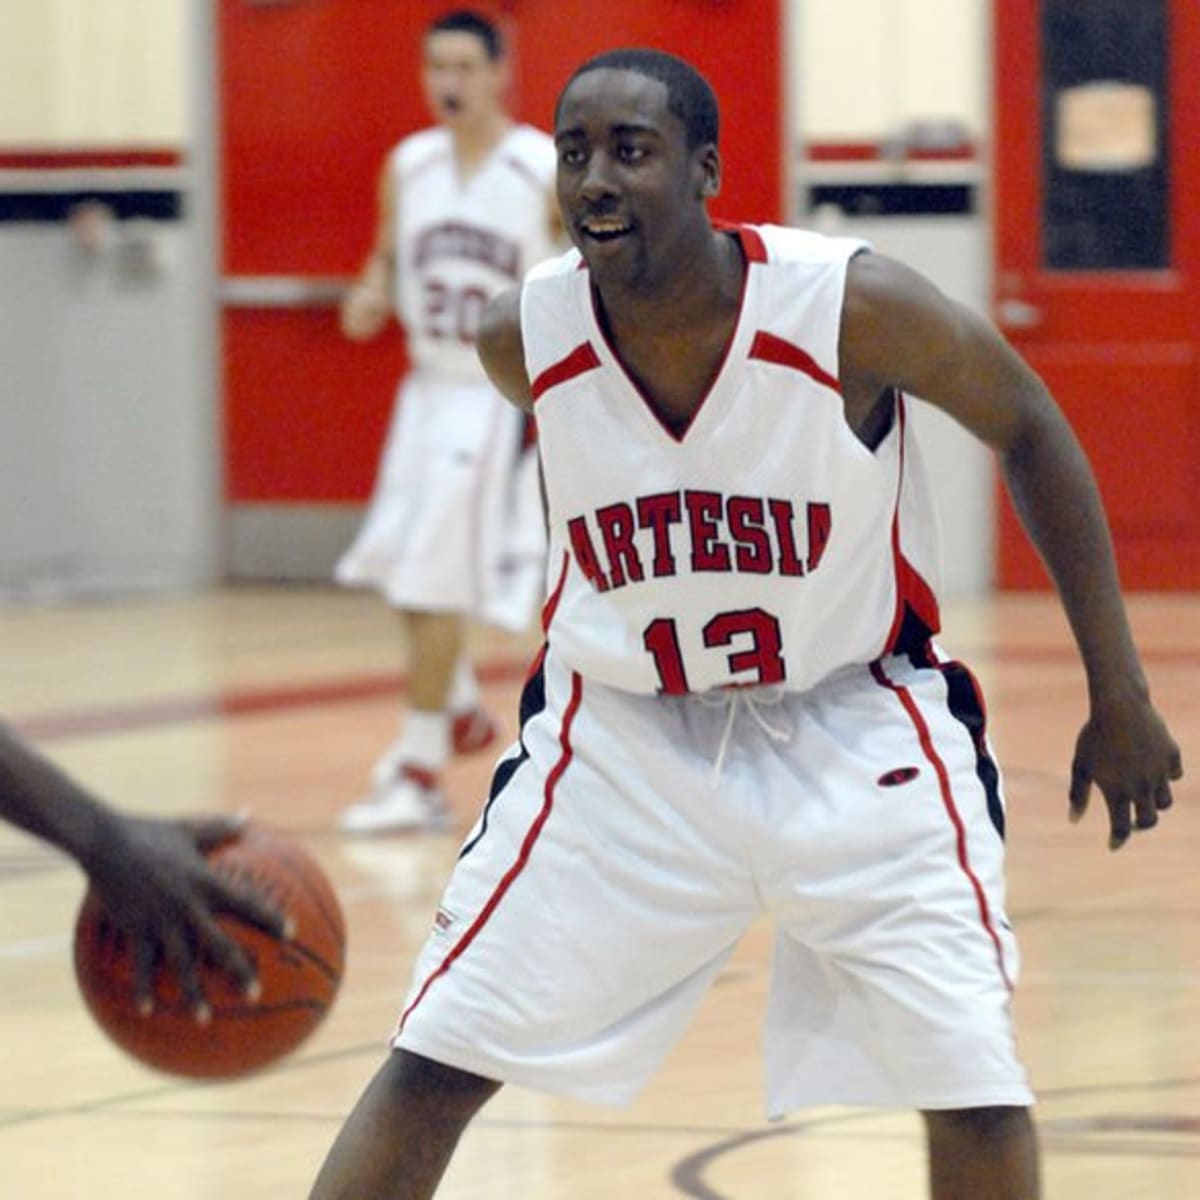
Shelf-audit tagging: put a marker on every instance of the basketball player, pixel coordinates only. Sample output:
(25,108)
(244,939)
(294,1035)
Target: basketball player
(154,883)
(740,706)
(455,527)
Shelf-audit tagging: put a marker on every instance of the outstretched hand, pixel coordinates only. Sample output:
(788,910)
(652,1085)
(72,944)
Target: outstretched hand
(1126,750)
(364,312)
(159,891)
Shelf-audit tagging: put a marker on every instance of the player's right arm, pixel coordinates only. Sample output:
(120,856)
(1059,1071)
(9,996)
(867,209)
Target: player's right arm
(368,302)
(501,350)
(150,874)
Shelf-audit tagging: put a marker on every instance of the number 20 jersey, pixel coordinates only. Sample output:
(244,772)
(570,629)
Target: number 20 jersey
(459,244)
(763,545)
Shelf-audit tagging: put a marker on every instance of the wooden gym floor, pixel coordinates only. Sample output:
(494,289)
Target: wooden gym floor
(277,700)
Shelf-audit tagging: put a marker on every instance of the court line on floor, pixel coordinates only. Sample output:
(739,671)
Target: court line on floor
(60,724)
(236,702)
(687,1176)
(1066,1136)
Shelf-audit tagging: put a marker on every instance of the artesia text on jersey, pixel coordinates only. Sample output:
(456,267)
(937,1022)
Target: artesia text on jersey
(625,542)
(456,239)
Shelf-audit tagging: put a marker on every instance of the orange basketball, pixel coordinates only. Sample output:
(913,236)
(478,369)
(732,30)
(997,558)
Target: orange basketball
(299,978)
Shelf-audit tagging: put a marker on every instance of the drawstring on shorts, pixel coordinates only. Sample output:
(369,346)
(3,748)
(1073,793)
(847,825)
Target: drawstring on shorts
(753,700)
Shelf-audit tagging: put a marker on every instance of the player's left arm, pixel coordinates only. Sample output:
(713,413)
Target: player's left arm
(899,331)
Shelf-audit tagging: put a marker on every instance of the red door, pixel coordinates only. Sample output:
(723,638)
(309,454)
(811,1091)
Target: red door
(311,97)
(1097,112)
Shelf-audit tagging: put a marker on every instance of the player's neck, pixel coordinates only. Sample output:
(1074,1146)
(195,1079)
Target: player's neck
(705,285)
(473,142)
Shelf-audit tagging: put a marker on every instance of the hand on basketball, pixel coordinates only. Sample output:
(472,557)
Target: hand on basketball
(1127,751)
(159,891)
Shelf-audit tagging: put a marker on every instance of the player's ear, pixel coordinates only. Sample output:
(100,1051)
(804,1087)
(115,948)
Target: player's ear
(708,163)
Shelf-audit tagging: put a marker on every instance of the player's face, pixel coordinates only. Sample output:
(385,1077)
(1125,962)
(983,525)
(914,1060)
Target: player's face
(631,192)
(461,83)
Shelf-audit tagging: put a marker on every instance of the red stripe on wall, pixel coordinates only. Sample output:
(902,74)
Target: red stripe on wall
(52,160)
(881,151)
(531,837)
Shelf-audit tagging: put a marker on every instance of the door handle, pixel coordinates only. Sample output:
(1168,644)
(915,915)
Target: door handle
(1018,314)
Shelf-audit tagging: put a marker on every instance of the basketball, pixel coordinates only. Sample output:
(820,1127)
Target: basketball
(299,978)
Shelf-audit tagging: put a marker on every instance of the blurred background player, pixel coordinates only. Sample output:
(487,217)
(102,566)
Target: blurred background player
(151,874)
(454,529)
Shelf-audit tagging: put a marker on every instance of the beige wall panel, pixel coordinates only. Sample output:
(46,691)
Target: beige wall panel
(93,72)
(865,68)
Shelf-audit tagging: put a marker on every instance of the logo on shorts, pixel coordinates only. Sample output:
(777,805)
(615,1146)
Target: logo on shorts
(443,920)
(898,776)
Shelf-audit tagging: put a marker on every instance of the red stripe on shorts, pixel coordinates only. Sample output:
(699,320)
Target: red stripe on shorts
(531,836)
(960,832)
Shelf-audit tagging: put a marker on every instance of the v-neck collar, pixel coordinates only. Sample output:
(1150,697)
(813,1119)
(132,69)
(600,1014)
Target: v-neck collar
(465,185)
(729,372)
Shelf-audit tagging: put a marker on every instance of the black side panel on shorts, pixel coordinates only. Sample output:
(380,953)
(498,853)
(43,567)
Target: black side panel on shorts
(533,701)
(967,707)
(913,638)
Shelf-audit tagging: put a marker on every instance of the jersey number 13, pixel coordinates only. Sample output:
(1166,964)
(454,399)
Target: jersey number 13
(763,654)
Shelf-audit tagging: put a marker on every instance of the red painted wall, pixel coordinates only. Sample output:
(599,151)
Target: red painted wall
(312,94)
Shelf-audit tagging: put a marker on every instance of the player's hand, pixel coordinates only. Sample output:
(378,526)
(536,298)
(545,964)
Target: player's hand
(159,891)
(364,312)
(1126,750)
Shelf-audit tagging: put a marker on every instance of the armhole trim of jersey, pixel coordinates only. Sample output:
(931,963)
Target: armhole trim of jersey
(767,347)
(582,359)
(753,246)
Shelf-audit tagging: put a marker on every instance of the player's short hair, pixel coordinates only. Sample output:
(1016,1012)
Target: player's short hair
(689,95)
(463,20)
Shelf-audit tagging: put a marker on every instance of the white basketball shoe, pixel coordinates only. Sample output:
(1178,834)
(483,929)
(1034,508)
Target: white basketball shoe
(408,799)
(471,731)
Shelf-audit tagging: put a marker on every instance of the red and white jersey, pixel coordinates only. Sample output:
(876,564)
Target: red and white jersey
(457,244)
(766,544)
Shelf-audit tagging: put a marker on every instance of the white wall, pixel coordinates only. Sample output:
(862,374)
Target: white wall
(103,452)
(868,71)
(93,72)
(867,68)
(108,426)
(109,475)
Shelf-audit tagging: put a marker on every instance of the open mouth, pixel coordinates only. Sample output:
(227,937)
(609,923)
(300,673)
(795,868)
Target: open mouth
(604,229)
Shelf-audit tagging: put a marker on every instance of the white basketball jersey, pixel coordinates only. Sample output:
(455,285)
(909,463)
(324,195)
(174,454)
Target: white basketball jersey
(458,244)
(765,544)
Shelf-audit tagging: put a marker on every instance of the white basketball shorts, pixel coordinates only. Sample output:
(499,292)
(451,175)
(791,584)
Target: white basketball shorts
(455,521)
(614,868)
